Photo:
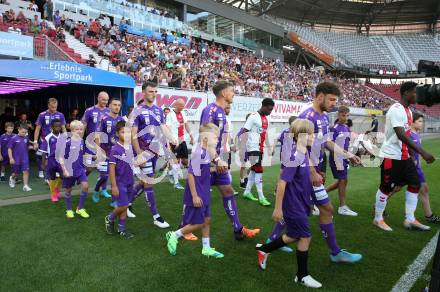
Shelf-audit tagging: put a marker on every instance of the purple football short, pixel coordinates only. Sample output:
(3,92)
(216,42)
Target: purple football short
(193,215)
(220,179)
(298,227)
(69,182)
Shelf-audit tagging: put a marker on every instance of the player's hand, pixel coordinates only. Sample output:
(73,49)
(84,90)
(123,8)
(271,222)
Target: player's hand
(427,156)
(356,160)
(277,215)
(197,201)
(191,141)
(317,179)
(115,191)
(12,161)
(35,146)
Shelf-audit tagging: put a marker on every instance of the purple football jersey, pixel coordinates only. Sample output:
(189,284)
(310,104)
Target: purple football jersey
(45,121)
(19,145)
(73,155)
(49,144)
(416,138)
(108,126)
(92,117)
(199,167)
(321,124)
(148,120)
(297,196)
(216,115)
(4,140)
(123,159)
(340,134)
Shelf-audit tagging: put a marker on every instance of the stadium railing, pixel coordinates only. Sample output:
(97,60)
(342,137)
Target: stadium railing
(46,49)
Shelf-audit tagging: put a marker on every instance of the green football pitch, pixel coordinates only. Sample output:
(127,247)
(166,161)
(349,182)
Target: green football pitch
(40,250)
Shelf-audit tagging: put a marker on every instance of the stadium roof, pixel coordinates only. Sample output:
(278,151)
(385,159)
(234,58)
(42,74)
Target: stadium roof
(346,12)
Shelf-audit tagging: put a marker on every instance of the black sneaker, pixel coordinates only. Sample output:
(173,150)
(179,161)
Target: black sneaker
(433,218)
(125,234)
(2,178)
(243,183)
(109,226)
(238,235)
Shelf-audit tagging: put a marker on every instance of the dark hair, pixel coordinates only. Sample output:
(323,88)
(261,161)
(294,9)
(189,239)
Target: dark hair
(148,84)
(373,115)
(350,123)
(292,119)
(407,86)
(220,85)
(114,99)
(120,125)
(328,87)
(167,109)
(23,126)
(268,102)
(55,121)
(417,116)
(343,109)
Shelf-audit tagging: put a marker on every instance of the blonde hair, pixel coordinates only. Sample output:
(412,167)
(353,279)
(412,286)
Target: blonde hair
(301,126)
(76,124)
(209,127)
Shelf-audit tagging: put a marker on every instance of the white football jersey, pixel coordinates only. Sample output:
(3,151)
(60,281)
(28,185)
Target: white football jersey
(257,126)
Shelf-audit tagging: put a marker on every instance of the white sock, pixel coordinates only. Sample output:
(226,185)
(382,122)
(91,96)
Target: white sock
(259,185)
(176,173)
(250,182)
(2,174)
(156,216)
(178,233)
(242,180)
(230,176)
(410,205)
(205,242)
(381,203)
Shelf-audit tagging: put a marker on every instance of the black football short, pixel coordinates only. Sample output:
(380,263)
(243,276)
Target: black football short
(397,173)
(180,150)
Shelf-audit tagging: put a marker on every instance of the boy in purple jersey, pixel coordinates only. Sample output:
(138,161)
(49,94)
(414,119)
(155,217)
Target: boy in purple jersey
(215,113)
(4,156)
(149,134)
(121,165)
(18,147)
(340,134)
(325,99)
(293,203)
(416,127)
(106,128)
(91,120)
(74,171)
(241,145)
(53,169)
(43,127)
(197,195)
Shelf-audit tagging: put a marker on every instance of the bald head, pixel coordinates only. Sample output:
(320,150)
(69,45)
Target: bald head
(103,99)
(179,104)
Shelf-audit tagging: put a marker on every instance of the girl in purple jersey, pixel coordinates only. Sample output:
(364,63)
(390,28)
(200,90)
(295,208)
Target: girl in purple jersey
(417,126)
(293,203)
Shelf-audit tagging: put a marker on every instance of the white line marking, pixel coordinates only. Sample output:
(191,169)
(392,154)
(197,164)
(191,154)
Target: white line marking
(417,267)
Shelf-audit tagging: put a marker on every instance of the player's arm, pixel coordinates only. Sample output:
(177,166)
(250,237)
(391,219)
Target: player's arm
(166,131)
(188,130)
(112,175)
(11,158)
(197,201)
(400,132)
(279,196)
(134,140)
(36,135)
(337,150)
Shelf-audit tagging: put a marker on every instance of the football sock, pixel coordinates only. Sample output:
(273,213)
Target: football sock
(381,203)
(205,242)
(121,225)
(112,217)
(102,182)
(328,231)
(250,182)
(410,205)
(230,206)
(68,200)
(176,173)
(259,185)
(301,259)
(82,200)
(151,201)
(277,230)
(2,173)
(273,245)
(52,187)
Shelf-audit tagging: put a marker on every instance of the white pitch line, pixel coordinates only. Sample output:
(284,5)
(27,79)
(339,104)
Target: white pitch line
(417,267)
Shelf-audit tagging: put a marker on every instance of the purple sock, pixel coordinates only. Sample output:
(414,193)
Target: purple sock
(82,200)
(39,162)
(277,230)
(102,182)
(328,231)
(121,225)
(231,210)
(68,200)
(112,217)
(151,201)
